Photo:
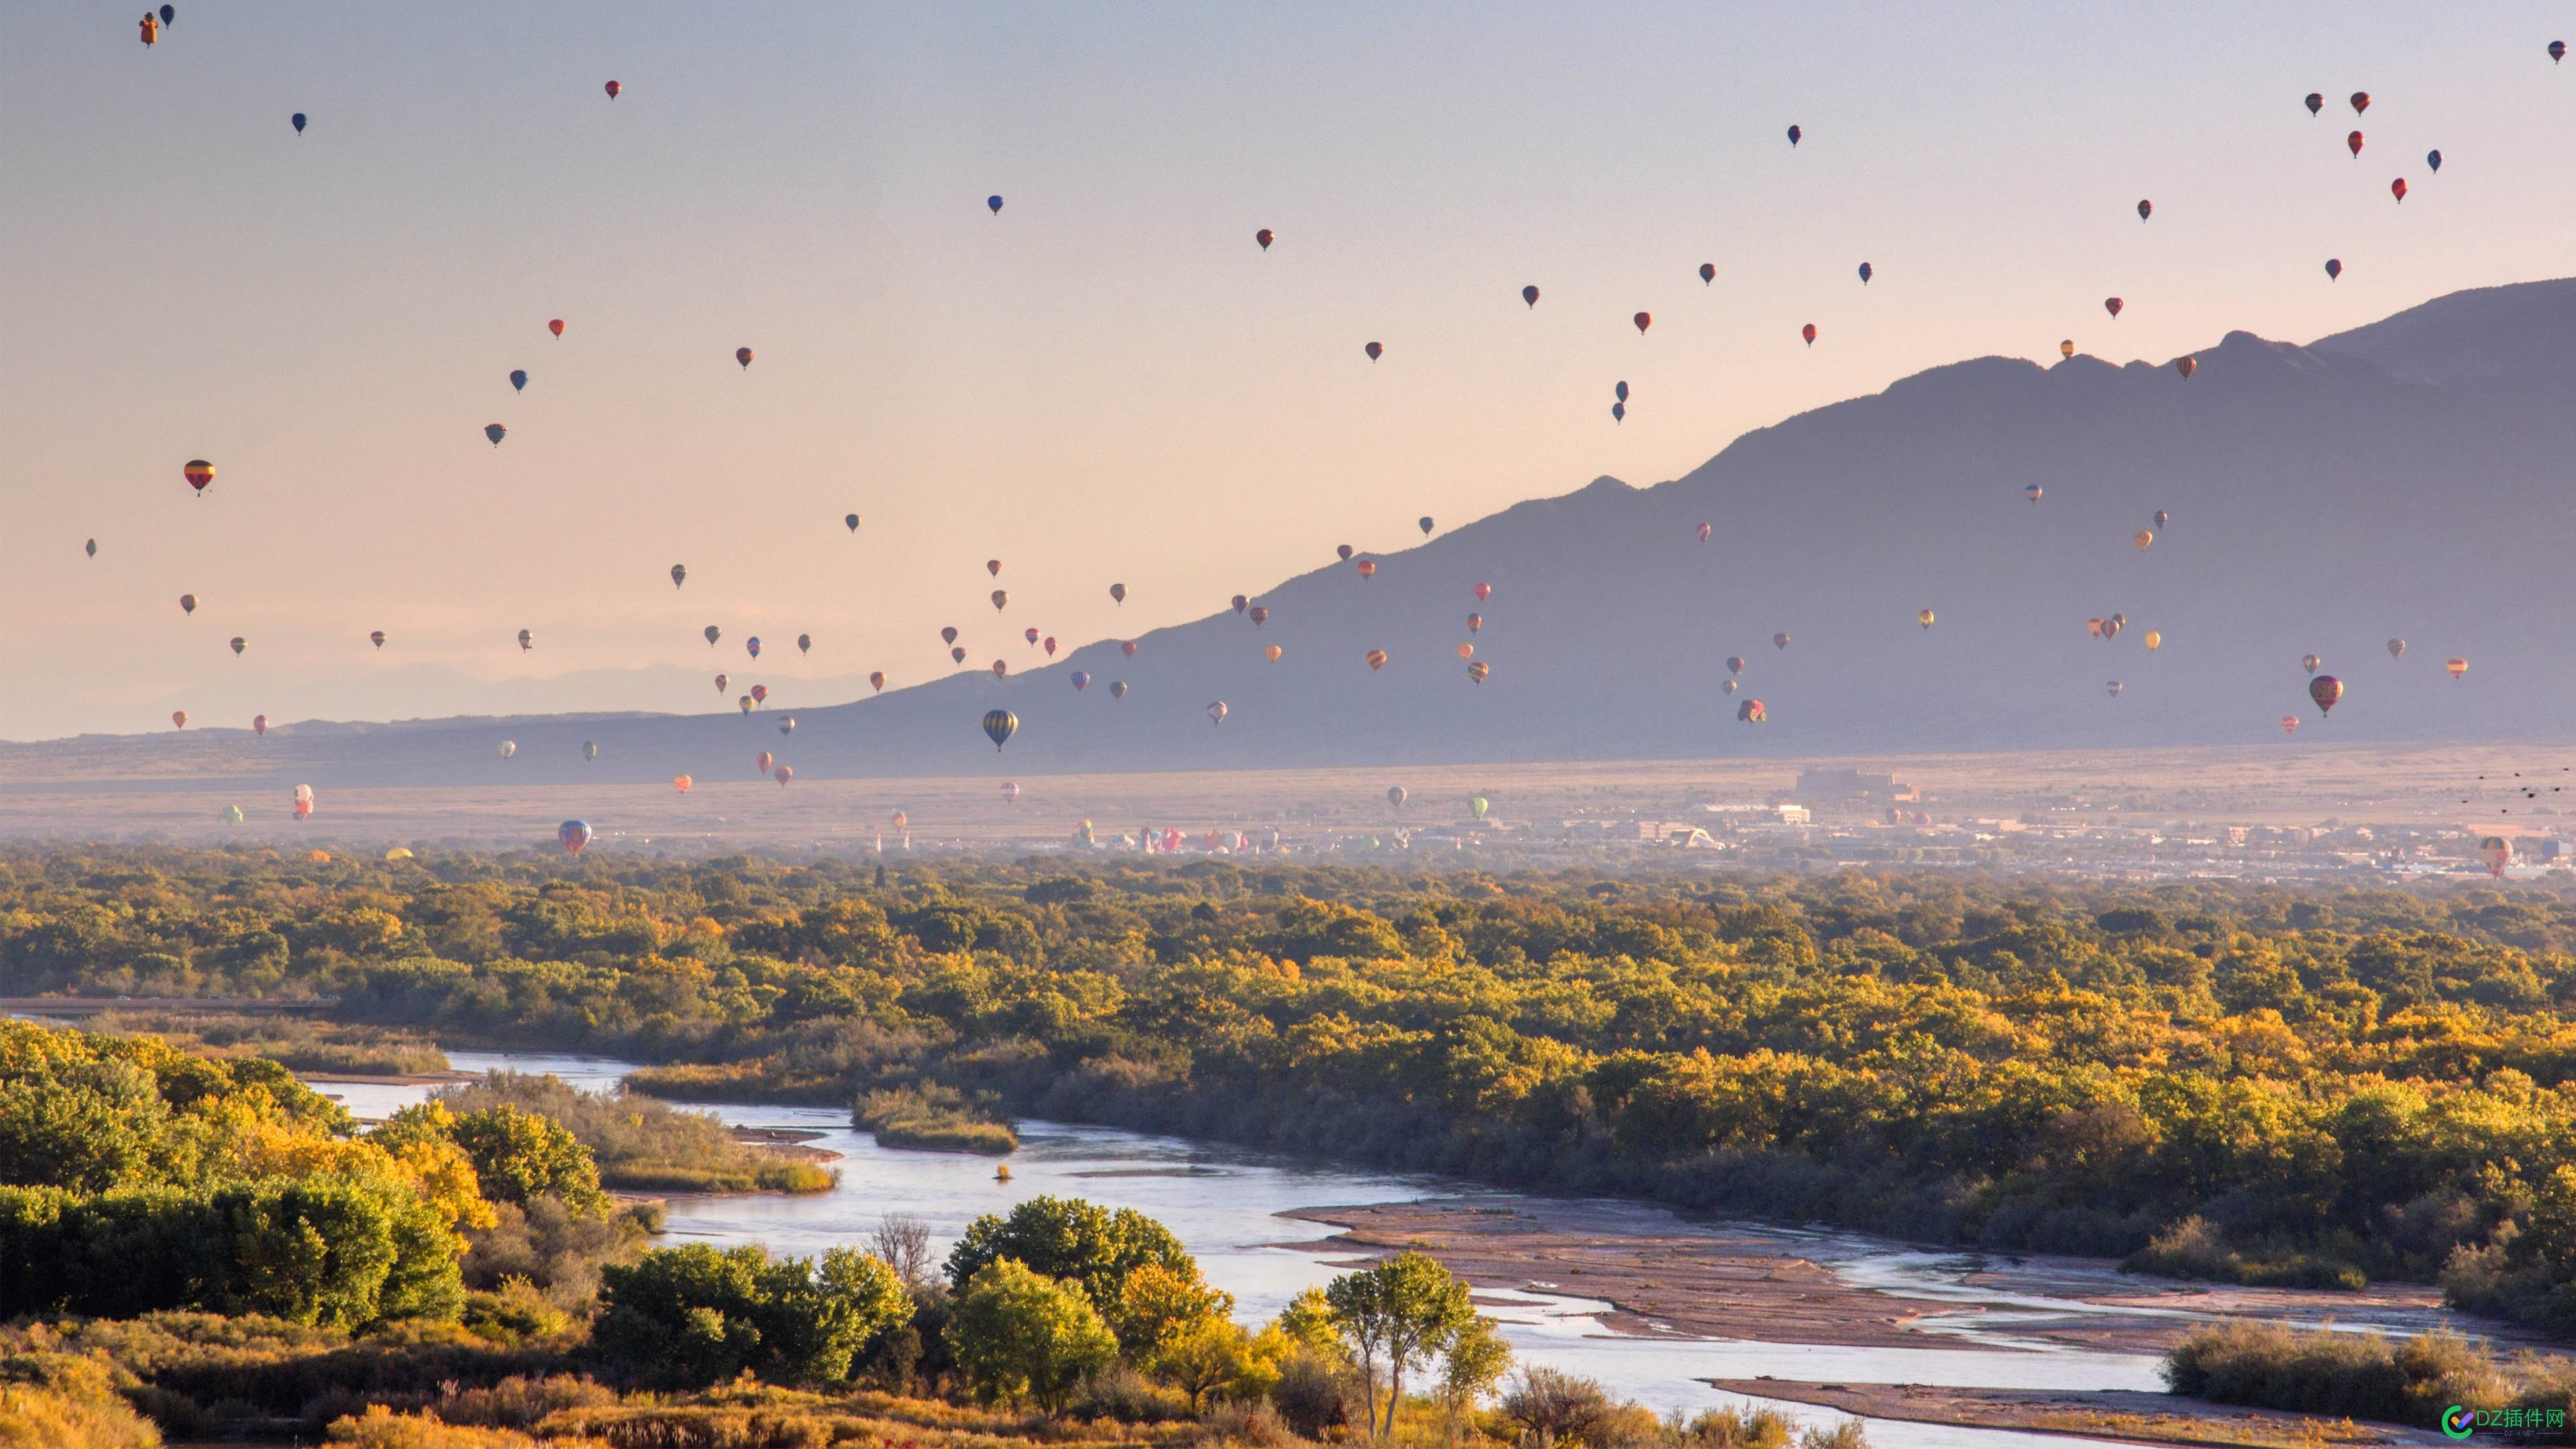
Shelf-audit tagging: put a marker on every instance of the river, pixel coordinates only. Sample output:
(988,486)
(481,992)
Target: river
(1224,1203)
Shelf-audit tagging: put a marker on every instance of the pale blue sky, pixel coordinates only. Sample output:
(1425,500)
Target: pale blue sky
(1108,381)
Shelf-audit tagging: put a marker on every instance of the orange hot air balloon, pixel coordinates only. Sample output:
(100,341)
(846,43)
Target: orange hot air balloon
(1923,617)
(2113,305)
(1483,592)
(2066,348)
(2457,667)
(2397,188)
(259,724)
(555,327)
(613,88)
(682,783)
(2186,366)
(199,473)
(1368,568)
(876,681)
(1466,651)
(782,775)
(2093,627)
(178,719)
(743,356)
(762,761)
(2327,691)
(1752,712)
(1475,623)
(1000,597)
(2289,724)
(2497,853)
(1478,670)
(2154,641)
(2143,538)
(1376,659)
(1808,332)
(1643,320)
(1271,653)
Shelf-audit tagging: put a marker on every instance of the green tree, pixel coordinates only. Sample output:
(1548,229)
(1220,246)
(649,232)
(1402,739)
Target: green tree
(1400,1313)
(519,1155)
(1473,1360)
(1060,1237)
(1017,1333)
(695,1316)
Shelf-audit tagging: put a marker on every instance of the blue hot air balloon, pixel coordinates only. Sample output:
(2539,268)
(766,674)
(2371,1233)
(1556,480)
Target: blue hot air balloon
(1620,392)
(1794,135)
(1618,412)
(2334,268)
(1864,274)
(298,119)
(519,380)
(2433,159)
(994,202)
(575,835)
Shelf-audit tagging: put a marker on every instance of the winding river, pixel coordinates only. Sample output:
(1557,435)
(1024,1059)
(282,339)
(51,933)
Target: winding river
(1224,1203)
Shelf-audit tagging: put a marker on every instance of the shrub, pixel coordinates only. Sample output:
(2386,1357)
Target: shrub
(694,1316)
(934,1119)
(1019,1334)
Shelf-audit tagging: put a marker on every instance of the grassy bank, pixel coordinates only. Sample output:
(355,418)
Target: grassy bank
(303,1045)
(643,1145)
(934,1119)
(2363,1376)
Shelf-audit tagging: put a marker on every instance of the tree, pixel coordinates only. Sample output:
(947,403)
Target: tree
(1155,1303)
(518,1155)
(1207,1353)
(1472,1362)
(694,1316)
(1018,1333)
(1402,1313)
(1058,1237)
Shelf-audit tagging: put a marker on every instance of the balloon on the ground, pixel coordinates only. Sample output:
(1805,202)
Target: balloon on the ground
(575,836)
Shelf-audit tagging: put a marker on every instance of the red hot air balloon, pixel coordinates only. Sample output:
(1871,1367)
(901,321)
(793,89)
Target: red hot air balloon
(1735,664)
(199,473)
(762,761)
(575,836)
(1048,645)
(1264,237)
(2327,691)
(178,719)
(876,681)
(1375,350)
(2289,724)
(1376,659)
(613,88)
(1031,634)
(2353,142)
(1368,568)
(259,724)
(782,775)
(2186,366)
(1643,320)
(1808,332)
(1707,273)
(555,327)
(2113,305)
(743,356)
(1128,648)
(2397,188)
(1703,533)
(2457,667)
(1752,712)
(1483,592)
(1530,295)
(2360,102)
(760,694)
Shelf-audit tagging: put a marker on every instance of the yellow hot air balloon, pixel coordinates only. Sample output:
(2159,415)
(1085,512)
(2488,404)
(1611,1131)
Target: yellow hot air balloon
(2155,640)
(2066,348)
(2457,667)
(2142,538)
(1923,617)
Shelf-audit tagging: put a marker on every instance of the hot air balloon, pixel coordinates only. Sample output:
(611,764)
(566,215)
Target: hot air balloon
(1239,602)
(1478,670)
(1118,593)
(1643,320)
(2115,689)
(1343,552)
(1466,651)
(1808,332)
(613,88)
(1703,533)
(303,798)
(1264,237)
(2334,268)
(2316,102)
(2326,690)
(2162,517)
(876,680)
(761,762)
(1000,598)
(2289,724)
(1752,712)
(151,30)
(1475,623)
(1779,641)
(1618,412)
(1477,805)
(2310,662)
(2066,348)
(1259,614)
(2352,143)
(178,719)
(1048,644)
(527,641)
(1376,659)
(2557,51)
(782,775)
(2185,366)
(1118,689)
(682,783)
(851,520)
(2497,853)
(787,724)
(199,473)
(297,121)
(744,702)
(752,646)
(1271,652)
(2433,159)
(743,356)
(377,638)
(2457,667)
(1010,792)
(495,432)
(1735,664)
(1396,795)
(239,643)
(2360,102)
(2397,188)
(1620,392)
(760,694)
(2032,492)
(2143,539)
(1424,522)
(1794,135)
(2396,648)
(187,603)
(995,203)
(575,834)
(1483,592)
(804,643)
(519,380)
(2093,627)
(1707,273)
(2154,641)
(901,821)
(1080,681)
(590,749)
(948,635)
(1001,668)
(1128,648)
(1375,350)
(1216,712)
(259,724)
(2113,305)
(556,326)
(679,573)
(1368,568)
(90,548)
(1866,272)
(2111,626)
(509,748)
(230,815)
(1530,295)
(1031,633)
(2146,209)
(1923,617)
(723,682)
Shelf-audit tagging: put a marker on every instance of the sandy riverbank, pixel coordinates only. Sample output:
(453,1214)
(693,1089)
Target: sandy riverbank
(2110,1414)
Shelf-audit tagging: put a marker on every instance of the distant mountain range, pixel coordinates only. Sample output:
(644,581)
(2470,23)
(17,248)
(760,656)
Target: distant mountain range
(2409,479)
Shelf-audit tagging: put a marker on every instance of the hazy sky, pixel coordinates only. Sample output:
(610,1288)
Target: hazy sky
(1108,381)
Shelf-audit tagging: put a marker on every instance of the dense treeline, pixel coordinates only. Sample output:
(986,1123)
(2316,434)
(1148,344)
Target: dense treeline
(2253,1083)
